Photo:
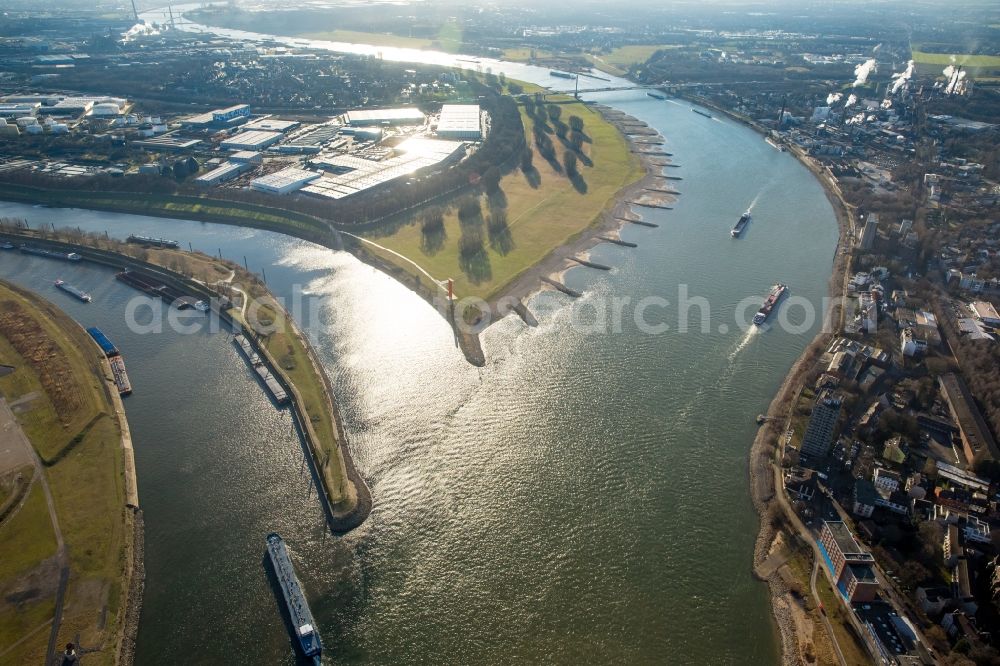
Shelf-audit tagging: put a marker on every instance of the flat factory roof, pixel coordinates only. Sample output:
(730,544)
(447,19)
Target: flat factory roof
(356,174)
(459,118)
(271,125)
(285,177)
(253,139)
(371,116)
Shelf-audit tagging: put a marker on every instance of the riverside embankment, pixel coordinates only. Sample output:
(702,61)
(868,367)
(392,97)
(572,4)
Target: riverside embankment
(272,332)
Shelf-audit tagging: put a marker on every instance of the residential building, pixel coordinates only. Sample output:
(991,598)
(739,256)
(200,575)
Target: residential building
(851,566)
(865,498)
(886,480)
(819,433)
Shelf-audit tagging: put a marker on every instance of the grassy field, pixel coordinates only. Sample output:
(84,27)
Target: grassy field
(70,424)
(945,59)
(623,56)
(449,38)
(541,215)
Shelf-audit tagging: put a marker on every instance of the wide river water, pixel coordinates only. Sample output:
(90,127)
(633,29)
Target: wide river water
(581,499)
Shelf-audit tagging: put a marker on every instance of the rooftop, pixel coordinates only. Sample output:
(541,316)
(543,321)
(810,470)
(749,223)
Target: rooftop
(843,537)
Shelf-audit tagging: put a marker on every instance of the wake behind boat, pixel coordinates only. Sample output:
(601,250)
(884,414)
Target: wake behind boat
(741,224)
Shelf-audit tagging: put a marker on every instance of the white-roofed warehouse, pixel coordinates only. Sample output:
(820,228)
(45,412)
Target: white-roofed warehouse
(284,181)
(252,140)
(404,116)
(460,121)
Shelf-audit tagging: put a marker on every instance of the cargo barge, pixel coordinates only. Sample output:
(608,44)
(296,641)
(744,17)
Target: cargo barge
(153,242)
(155,287)
(741,224)
(656,95)
(562,75)
(295,599)
(702,113)
(52,254)
(271,383)
(114,358)
(73,291)
(777,291)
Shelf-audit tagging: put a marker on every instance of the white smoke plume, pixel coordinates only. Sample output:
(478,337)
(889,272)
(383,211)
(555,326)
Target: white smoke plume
(886,103)
(833,98)
(956,83)
(138,30)
(851,101)
(863,71)
(902,78)
(856,120)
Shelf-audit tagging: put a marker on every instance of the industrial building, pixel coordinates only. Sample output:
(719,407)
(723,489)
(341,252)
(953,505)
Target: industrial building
(249,156)
(253,140)
(985,312)
(271,125)
(224,172)
(311,139)
(851,565)
(19,109)
(349,174)
(366,117)
(284,181)
(460,121)
(167,142)
(229,116)
(977,442)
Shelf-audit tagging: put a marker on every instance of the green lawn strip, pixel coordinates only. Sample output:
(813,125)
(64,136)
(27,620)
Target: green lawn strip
(27,537)
(17,621)
(944,59)
(854,651)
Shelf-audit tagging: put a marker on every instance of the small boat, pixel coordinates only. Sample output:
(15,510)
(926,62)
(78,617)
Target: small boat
(70,289)
(656,95)
(6,246)
(741,224)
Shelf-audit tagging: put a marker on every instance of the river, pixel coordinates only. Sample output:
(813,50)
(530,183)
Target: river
(581,499)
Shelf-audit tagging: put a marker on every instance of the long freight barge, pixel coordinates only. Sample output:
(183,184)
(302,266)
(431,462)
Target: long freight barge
(298,608)
(777,291)
(114,358)
(73,291)
(702,113)
(154,287)
(270,382)
(153,242)
(52,254)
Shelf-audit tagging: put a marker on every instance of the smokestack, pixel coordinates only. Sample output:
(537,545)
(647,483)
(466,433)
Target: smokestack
(781,114)
(135,12)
